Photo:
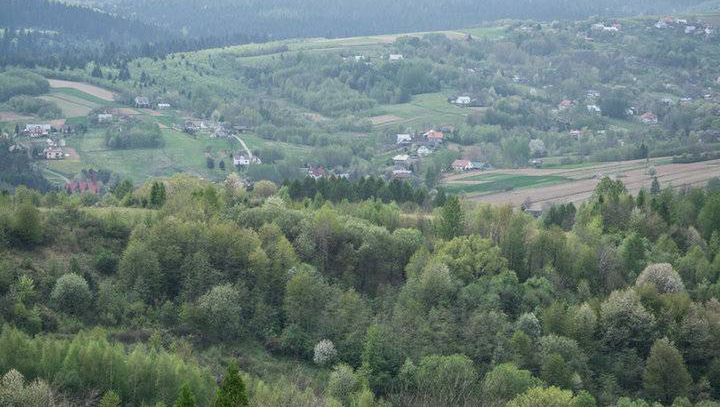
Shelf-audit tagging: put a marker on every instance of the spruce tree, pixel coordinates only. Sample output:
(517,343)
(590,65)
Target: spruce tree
(451,219)
(186,397)
(232,391)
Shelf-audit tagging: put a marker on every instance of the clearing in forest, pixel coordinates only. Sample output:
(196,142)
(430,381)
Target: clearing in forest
(93,90)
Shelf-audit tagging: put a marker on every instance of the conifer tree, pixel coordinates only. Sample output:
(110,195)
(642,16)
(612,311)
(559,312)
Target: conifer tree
(451,219)
(232,391)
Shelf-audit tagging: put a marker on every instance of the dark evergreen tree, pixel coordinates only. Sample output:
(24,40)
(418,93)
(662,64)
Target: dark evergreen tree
(232,391)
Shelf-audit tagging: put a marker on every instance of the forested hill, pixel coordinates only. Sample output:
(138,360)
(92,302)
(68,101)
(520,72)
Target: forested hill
(54,34)
(74,20)
(305,18)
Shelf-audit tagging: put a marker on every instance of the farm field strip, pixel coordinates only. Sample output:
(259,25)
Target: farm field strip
(85,88)
(676,175)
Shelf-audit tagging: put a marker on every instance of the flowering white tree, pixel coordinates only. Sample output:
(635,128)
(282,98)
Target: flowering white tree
(663,277)
(537,147)
(325,352)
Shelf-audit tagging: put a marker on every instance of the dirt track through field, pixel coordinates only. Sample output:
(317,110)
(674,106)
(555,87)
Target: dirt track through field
(633,174)
(93,90)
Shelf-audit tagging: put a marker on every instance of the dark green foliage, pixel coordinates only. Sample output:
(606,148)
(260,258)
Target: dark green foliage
(666,376)
(560,215)
(16,169)
(337,189)
(34,106)
(134,134)
(157,194)
(232,391)
(17,82)
(71,294)
(451,220)
(27,227)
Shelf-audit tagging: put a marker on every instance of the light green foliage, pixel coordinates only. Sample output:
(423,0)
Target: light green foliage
(543,397)
(343,383)
(138,375)
(14,392)
(447,380)
(505,382)
(306,296)
(110,399)
(27,225)
(220,313)
(471,257)
(186,397)
(71,294)
(139,271)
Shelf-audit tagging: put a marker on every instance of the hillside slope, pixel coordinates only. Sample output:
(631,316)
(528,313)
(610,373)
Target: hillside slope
(303,18)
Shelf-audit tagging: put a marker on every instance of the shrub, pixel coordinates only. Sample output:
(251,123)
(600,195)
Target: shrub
(71,294)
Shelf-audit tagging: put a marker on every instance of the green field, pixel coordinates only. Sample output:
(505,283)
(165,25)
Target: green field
(181,153)
(503,182)
(430,109)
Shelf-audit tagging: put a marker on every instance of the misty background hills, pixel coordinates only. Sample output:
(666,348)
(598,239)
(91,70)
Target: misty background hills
(339,18)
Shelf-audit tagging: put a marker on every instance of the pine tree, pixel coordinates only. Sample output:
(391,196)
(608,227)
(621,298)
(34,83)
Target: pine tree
(222,165)
(186,397)
(666,376)
(232,389)
(655,187)
(451,219)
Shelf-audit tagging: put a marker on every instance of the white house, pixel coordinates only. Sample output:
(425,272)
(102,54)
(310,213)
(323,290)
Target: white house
(423,151)
(37,130)
(395,57)
(594,109)
(104,117)
(463,100)
(241,161)
(142,102)
(53,153)
(401,159)
(404,139)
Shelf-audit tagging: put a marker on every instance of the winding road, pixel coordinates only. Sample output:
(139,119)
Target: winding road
(249,153)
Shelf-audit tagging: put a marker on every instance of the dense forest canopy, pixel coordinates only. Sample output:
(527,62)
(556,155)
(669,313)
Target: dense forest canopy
(606,304)
(307,18)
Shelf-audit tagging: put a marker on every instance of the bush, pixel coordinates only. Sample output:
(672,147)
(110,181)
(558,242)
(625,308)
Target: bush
(343,383)
(220,312)
(71,294)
